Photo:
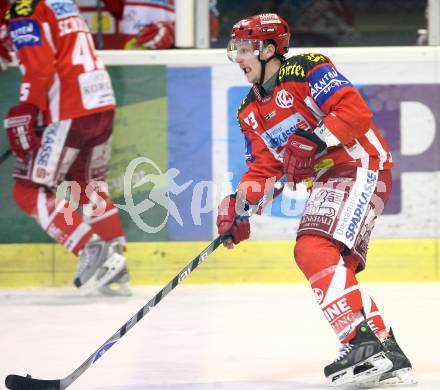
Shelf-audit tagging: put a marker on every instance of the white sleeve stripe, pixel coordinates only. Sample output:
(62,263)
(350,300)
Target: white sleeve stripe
(325,135)
(357,152)
(376,143)
(54,91)
(46,29)
(54,99)
(316,111)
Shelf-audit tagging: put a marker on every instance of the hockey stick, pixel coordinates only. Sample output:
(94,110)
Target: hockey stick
(18,382)
(5,156)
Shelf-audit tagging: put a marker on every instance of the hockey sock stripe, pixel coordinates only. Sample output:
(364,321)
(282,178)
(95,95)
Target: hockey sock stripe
(43,214)
(107,214)
(373,315)
(337,283)
(44,202)
(345,292)
(322,274)
(78,236)
(339,298)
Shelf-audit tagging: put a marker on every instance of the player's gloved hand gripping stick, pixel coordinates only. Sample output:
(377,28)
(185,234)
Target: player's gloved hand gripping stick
(233,216)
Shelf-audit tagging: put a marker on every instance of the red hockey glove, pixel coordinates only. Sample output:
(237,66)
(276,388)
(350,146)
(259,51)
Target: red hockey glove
(230,226)
(156,36)
(299,156)
(20,124)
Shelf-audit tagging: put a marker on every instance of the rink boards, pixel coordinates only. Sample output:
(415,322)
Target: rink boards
(177,111)
(43,265)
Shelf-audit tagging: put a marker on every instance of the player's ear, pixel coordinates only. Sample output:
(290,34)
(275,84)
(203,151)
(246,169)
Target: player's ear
(269,50)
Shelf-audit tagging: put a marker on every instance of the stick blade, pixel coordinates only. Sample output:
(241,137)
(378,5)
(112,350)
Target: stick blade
(18,382)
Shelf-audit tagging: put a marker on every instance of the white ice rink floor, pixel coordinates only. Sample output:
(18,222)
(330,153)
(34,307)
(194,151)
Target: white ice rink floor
(241,337)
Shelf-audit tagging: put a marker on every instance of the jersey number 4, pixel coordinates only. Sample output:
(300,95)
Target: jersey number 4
(84,53)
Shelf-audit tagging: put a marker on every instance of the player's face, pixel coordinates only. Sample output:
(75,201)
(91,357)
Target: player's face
(245,53)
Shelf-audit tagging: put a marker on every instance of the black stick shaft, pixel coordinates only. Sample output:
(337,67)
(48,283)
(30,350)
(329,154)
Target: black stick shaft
(5,156)
(100,36)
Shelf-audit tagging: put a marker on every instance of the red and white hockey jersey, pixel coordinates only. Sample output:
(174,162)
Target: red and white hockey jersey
(62,74)
(308,89)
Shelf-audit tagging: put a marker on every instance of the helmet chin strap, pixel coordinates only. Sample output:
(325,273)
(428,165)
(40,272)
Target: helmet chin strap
(263,67)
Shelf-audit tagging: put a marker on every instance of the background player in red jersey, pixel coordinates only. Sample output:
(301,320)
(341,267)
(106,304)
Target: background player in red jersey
(5,44)
(151,24)
(303,120)
(61,128)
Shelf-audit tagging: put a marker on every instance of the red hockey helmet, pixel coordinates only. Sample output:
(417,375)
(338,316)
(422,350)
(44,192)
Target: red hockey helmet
(263,27)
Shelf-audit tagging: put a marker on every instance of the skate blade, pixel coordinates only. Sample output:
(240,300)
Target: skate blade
(113,265)
(120,290)
(402,377)
(379,364)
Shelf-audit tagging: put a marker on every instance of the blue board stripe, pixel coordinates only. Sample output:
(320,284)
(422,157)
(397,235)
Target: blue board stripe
(189,145)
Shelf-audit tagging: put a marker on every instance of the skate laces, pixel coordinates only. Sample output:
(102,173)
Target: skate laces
(344,349)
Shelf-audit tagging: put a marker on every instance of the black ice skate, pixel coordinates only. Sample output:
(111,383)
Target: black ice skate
(359,360)
(401,372)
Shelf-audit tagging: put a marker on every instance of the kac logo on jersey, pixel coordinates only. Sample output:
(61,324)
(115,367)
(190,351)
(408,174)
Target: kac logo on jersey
(284,99)
(324,82)
(63,8)
(25,33)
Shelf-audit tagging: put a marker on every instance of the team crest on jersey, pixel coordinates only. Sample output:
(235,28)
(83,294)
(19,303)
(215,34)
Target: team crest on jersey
(284,99)
(63,8)
(24,33)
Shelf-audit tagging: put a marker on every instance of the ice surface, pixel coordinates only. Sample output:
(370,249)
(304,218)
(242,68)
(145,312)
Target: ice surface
(228,337)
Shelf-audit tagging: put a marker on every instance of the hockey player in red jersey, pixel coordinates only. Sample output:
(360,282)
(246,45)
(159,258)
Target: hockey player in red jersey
(150,24)
(5,45)
(304,121)
(61,130)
